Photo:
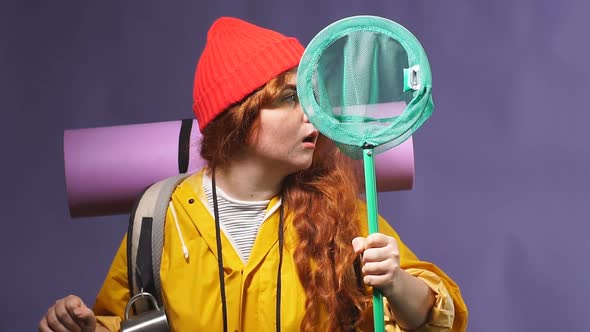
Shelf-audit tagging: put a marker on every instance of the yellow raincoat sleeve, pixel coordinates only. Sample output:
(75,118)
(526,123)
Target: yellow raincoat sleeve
(113,296)
(449,312)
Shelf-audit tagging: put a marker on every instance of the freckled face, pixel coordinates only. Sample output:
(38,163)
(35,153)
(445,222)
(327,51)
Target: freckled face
(286,138)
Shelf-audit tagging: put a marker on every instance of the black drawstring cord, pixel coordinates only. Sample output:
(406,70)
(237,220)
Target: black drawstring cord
(281,235)
(219,254)
(220,258)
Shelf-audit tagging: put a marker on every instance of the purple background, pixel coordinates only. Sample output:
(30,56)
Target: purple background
(501,199)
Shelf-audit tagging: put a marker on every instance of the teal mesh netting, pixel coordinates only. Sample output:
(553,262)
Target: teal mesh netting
(365,80)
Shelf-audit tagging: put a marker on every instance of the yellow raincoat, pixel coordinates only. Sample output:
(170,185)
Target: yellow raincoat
(190,287)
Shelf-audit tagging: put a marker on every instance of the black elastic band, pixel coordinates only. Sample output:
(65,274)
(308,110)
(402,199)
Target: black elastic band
(281,235)
(219,254)
(184,143)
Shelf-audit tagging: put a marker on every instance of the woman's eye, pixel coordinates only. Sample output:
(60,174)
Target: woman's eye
(291,98)
(288,99)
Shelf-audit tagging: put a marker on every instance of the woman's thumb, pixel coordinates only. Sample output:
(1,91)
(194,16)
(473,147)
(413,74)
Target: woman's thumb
(358,245)
(86,318)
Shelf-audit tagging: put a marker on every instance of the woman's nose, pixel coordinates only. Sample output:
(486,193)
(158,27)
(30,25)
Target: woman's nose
(305,118)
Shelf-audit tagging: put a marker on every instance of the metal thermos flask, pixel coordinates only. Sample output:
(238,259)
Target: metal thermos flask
(149,321)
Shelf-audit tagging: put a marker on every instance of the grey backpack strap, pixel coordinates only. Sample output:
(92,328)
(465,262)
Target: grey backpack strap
(145,238)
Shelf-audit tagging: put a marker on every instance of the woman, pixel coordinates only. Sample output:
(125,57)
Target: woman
(294,245)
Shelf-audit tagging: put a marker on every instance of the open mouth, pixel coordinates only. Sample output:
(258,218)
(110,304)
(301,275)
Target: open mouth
(311,138)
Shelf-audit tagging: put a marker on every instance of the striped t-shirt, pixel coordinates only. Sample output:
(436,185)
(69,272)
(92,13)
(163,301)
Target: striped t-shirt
(239,220)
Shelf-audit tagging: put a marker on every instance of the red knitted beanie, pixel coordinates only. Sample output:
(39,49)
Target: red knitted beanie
(238,58)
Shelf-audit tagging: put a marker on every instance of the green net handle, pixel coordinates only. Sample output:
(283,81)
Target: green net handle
(371,195)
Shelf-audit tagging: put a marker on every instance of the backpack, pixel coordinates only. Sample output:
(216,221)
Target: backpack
(145,236)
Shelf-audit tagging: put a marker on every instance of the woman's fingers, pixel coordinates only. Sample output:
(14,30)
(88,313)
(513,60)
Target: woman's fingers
(53,322)
(378,254)
(381,259)
(379,268)
(69,314)
(378,281)
(43,327)
(85,318)
(64,310)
